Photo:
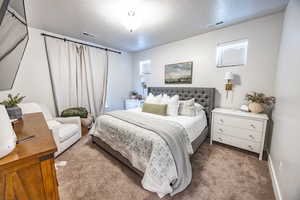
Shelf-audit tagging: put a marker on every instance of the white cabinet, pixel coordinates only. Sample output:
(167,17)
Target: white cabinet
(133,103)
(240,129)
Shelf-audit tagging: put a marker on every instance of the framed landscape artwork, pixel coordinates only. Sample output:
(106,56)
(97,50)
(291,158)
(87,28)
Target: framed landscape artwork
(179,73)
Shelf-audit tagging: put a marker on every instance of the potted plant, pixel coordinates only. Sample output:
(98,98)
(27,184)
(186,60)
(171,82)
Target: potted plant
(257,101)
(133,95)
(11,105)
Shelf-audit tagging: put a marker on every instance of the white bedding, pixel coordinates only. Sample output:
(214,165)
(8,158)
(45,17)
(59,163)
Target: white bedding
(193,125)
(146,150)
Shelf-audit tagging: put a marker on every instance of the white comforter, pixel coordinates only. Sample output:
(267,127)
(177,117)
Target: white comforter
(145,149)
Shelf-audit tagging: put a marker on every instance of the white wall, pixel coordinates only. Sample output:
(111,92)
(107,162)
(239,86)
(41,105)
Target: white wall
(285,147)
(258,75)
(33,79)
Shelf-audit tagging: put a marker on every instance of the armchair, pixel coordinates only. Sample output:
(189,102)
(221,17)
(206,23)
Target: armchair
(66,131)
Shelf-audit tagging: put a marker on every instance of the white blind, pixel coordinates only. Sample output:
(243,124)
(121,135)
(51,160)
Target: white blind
(145,67)
(232,53)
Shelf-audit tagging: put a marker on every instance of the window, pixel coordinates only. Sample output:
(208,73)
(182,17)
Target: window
(232,53)
(145,67)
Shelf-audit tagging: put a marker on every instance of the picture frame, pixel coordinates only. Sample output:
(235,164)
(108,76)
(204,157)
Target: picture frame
(179,73)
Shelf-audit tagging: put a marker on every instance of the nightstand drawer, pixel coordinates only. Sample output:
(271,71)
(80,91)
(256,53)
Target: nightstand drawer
(237,142)
(238,132)
(244,123)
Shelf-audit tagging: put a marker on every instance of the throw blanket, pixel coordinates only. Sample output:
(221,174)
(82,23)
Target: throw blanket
(163,145)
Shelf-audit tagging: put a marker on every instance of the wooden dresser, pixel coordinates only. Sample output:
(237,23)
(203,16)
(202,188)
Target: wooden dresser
(240,129)
(28,173)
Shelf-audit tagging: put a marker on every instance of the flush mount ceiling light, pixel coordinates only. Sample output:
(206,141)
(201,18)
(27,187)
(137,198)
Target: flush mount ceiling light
(131,21)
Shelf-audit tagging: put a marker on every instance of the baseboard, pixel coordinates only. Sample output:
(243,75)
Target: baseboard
(274,179)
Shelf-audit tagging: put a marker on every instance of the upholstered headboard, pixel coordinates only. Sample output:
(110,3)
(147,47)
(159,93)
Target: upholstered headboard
(203,96)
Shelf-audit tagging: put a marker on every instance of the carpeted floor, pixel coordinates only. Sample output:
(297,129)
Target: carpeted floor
(219,173)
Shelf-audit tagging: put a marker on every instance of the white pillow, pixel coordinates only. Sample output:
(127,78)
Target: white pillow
(153,99)
(173,104)
(187,108)
(198,108)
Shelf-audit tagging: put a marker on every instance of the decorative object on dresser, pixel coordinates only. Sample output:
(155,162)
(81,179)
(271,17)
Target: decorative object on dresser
(11,105)
(28,173)
(240,129)
(257,101)
(179,73)
(133,103)
(7,134)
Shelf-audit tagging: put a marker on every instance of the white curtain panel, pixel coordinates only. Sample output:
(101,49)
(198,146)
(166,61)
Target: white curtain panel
(78,75)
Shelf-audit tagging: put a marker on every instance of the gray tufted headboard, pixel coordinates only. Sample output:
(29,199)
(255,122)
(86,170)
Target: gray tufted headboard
(203,96)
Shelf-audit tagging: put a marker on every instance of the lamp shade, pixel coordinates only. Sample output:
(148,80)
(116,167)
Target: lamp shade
(7,134)
(228,76)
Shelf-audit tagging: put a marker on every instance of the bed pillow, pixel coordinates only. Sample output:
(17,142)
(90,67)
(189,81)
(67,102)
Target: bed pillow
(187,108)
(153,99)
(190,108)
(198,108)
(173,104)
(158,109)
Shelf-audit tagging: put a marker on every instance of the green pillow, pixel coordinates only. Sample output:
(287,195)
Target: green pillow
(75,112)
(158,109)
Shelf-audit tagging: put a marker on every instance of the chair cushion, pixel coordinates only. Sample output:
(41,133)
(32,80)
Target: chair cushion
(53,124)
(66,131)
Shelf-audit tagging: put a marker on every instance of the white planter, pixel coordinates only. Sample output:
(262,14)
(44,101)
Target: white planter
(256,107)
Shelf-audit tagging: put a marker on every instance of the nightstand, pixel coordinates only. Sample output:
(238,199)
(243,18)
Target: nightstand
(133,103)
(240,129)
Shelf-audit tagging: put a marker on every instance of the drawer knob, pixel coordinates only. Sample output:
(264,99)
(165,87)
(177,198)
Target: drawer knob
(252,126)
(251,136)
(221,120)
(221,130)
(250,147)
(220,139)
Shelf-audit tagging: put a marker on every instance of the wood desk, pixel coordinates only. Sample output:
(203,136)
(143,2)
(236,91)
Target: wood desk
(28,173)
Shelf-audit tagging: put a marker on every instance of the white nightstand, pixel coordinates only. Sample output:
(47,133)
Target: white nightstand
(240,129)
(133,103)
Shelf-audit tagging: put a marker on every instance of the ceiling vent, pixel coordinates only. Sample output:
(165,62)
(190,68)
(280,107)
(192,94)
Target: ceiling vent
(88,34)
(216,24)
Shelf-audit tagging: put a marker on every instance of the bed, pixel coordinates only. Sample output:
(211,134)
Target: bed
(104,134)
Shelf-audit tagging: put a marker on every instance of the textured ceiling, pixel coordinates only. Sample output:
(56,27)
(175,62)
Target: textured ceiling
(163,21)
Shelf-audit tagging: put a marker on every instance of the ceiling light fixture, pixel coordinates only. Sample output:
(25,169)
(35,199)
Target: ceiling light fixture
(131,21)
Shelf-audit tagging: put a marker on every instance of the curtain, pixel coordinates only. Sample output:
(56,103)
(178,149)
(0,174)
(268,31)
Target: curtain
(78,75)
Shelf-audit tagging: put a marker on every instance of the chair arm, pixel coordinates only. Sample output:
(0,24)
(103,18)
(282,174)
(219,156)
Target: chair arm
(55,135)
(69,120)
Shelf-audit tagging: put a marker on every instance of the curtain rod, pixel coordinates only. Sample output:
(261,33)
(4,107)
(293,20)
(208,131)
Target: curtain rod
(65,39)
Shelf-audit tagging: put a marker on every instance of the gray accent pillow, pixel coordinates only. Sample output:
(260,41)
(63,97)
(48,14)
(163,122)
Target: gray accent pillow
(189,108)
(186,108)
(158,109)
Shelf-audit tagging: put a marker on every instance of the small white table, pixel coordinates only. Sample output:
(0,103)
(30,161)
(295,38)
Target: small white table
(240,129)
(133,103)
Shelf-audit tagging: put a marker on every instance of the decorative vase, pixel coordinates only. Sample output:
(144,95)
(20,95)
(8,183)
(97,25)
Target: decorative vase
(256,107)
(14,112)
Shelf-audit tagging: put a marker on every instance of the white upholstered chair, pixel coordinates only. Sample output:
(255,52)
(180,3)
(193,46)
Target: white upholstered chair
(66,131)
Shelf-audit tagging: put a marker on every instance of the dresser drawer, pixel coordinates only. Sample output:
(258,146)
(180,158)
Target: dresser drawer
(238,122)
(238,132)
(237,142)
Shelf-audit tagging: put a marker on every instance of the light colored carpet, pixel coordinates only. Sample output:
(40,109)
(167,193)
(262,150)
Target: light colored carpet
(219,173)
